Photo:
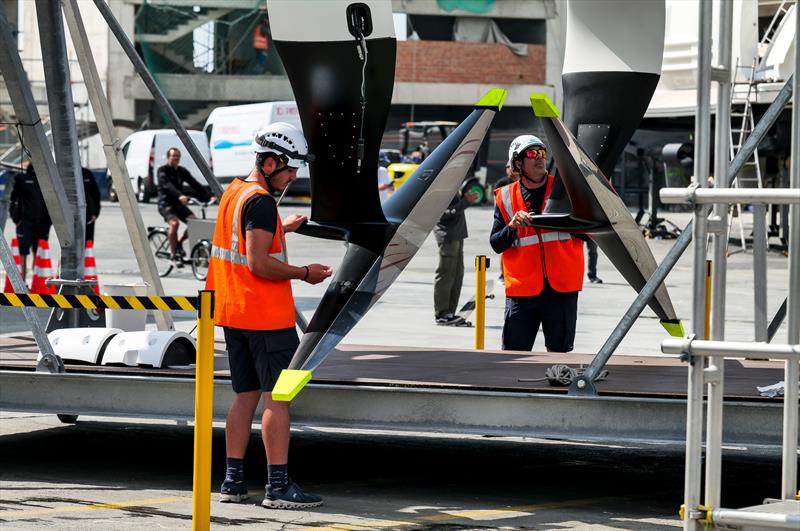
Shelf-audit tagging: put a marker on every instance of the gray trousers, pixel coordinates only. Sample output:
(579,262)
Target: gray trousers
(449,277)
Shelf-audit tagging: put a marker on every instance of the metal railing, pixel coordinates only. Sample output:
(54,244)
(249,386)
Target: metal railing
(705,361)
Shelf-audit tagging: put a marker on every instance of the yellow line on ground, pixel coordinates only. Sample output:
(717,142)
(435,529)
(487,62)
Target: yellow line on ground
(93,506)
(471,514)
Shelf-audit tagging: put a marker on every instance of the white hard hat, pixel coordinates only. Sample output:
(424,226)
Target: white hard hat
(521,144)
(285,140)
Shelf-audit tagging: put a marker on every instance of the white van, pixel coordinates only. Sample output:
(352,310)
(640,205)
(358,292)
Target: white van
(230,132)
(146,151)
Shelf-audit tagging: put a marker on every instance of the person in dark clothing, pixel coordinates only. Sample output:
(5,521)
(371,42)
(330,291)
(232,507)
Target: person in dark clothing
(510,177)
(172,200)
(29,213)
(592,266)
(92,193)
(450,232)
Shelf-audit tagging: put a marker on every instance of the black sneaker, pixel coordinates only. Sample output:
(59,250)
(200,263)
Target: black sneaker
(232,492)
(595,280)
(291,497)
(177,260)
(453,320)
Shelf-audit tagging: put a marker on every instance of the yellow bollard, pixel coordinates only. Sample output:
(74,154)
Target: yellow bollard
(707,328)
(481,264)
(203,413)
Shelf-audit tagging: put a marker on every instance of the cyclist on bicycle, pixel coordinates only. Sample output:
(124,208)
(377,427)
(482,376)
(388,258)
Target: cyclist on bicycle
(172,200)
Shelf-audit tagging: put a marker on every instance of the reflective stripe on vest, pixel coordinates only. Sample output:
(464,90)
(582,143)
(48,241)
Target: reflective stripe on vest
(241,259)
(545,237)
(506,194)
(245,300)
(229,255)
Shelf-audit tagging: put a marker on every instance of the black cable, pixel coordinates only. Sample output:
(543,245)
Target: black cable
(362,54)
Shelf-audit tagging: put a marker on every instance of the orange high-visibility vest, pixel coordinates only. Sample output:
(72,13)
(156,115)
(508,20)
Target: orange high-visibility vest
(242,299)
(259,38)
(538,253)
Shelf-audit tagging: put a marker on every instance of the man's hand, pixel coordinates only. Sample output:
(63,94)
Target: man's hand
(293,222)
(317,273)
(183,199)
(521,219)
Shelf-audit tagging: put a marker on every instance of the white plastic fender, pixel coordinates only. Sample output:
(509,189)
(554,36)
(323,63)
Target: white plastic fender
(85,345)
(150,347)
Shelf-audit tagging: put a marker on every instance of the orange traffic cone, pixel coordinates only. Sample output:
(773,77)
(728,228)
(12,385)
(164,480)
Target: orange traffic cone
(42,270)
(90,267)
(8,288)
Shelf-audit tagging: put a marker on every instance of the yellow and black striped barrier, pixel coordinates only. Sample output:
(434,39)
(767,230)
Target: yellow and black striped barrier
(99,302)
(204,370)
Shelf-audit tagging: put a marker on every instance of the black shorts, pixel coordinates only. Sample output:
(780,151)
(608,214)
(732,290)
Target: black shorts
(556,312)
(257,357)
(182,212)
(28,235)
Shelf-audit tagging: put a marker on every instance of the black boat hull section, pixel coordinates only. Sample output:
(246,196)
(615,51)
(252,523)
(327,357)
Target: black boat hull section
(412,211)
(326,79)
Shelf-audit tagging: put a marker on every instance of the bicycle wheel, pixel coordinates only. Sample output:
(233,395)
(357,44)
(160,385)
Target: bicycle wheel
(201,254)
(159,244)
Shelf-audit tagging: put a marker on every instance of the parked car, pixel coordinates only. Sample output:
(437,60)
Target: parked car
(230,132)
(146,151)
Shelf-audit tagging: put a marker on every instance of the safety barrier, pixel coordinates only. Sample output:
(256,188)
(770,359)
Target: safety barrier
(204,369)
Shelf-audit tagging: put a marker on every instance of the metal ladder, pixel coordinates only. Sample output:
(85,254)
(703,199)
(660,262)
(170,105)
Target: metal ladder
(765,45)
(738,136)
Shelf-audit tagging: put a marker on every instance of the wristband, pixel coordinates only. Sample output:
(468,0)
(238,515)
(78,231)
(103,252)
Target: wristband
(306,275)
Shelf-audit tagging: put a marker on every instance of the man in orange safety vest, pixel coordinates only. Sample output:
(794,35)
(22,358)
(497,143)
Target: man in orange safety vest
(542,269)
(251,278)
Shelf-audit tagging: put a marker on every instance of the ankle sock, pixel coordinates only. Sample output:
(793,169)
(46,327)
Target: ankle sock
(234,470)
(278,476)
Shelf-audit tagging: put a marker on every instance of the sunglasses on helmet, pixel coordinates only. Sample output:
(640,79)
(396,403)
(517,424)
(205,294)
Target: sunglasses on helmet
(535,153)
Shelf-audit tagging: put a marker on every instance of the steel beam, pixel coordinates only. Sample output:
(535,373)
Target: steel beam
(792,371)
(158,96)
(716,389)
(19,90)
(760,271)
(781,196)
(64,134)
(741,519)
(694,390)
(115,160)
(737,349)
(619,420)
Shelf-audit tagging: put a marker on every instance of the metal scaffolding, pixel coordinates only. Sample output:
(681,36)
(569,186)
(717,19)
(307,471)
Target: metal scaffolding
(706,358)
